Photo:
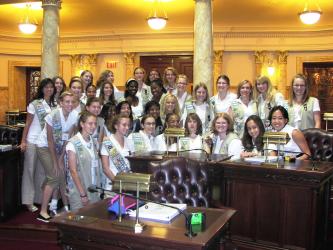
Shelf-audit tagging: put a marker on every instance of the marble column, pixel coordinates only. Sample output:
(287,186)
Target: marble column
(50,38)
(203,44)
(129,64)
(282,57)
(218,63)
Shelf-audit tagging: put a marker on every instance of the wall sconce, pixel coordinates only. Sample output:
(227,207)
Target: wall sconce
(157,18)
(28,25)
(310,16)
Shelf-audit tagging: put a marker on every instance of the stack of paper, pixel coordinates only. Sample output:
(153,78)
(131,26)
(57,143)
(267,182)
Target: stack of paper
(260,159)
(159,213)
(6,147)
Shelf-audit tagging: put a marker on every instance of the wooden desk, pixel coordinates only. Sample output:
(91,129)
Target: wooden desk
(10,183)
(101,234)
(277,208)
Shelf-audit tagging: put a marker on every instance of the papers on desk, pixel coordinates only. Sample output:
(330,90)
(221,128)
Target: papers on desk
(260,159)
(7,147)
(159,213)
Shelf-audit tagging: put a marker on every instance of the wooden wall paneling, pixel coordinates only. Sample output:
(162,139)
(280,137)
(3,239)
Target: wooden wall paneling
(3,104)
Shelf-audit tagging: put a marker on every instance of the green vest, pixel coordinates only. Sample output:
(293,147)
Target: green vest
(225,144)
(83,168)
(238,113)
(307,120)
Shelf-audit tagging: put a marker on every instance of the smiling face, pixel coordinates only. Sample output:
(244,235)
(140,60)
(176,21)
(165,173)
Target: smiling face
(48,90)
(122,126)
(153,75)
(76,89)
(221,125)
(170,104)
(132,88)
(89,126)
(278,120)
(67,104)
(201,94)
(262,87)
(154,111)
(222,85)
(253,129)
(299,87)
(173,121)
(139,74)
(110,77)
(149,125)
(170,77)
(107,90)
(58,85)
(156,90)
(87,78)
(125,109)
(181,85)
(91,91)
(94,108)
(245,90)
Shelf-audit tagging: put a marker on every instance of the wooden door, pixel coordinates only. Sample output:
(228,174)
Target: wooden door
(32,82)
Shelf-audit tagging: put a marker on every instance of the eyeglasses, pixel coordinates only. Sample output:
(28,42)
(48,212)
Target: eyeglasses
(150,123)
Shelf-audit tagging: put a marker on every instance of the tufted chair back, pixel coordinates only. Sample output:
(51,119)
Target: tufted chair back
(179,180)
(320,143)
(10,135)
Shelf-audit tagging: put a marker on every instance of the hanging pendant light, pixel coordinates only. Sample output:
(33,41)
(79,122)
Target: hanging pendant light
(28,25)
(157,18)
(310,16)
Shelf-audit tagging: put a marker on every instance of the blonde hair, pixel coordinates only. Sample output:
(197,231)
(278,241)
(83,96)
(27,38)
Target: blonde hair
(271,91)
(163,111)
(241,84)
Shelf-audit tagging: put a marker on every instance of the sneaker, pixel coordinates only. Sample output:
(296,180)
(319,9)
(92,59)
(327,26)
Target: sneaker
(31,207)
(43,219)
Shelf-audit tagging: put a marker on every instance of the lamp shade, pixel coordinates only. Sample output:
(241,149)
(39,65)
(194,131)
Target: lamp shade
(157,23)
(310,16)
(27,28)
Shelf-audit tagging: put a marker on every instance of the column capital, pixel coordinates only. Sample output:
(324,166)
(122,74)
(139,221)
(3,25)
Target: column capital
(282,57)
(218,55)
(259,57)
(129,57)
(56,3)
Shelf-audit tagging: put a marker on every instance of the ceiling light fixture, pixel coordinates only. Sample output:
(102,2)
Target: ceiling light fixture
(310,16)
(157,18)
(28,25)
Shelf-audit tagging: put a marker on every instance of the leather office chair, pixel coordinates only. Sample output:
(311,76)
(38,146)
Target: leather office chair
(10,135)
(179,180)
(320,143)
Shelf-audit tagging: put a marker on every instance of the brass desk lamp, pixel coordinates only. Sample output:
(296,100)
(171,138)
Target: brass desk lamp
(277,138)
(174,132)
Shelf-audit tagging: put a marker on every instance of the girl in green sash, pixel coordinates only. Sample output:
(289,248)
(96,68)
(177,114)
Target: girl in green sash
(83,162)
(304,110)
(223,140)
(36,112)
(193,132)
(115,148)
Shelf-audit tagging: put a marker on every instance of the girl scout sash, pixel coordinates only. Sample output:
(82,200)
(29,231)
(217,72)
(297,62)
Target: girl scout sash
(40,111)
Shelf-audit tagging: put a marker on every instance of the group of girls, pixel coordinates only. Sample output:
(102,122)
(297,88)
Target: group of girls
(82,136)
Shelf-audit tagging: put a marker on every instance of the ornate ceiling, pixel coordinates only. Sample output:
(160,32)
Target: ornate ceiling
(112,17)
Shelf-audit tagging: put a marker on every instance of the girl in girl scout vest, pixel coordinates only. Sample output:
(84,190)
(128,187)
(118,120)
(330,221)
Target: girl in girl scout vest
(144,140)
(242,107)
(182,96)
(115,148)
(94,107)
(223,140)
(200,105)
(304,110)
(83,162)
(36,112)
(252,139)
(76,87)
(59,126)
(193,132)
(169,106)
(266,97)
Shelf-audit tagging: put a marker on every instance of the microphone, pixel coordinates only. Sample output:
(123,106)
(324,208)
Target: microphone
(189,233)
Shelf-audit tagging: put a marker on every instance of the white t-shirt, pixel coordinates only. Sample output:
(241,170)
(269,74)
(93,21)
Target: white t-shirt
(35,129)
(223,105)
(66,126)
